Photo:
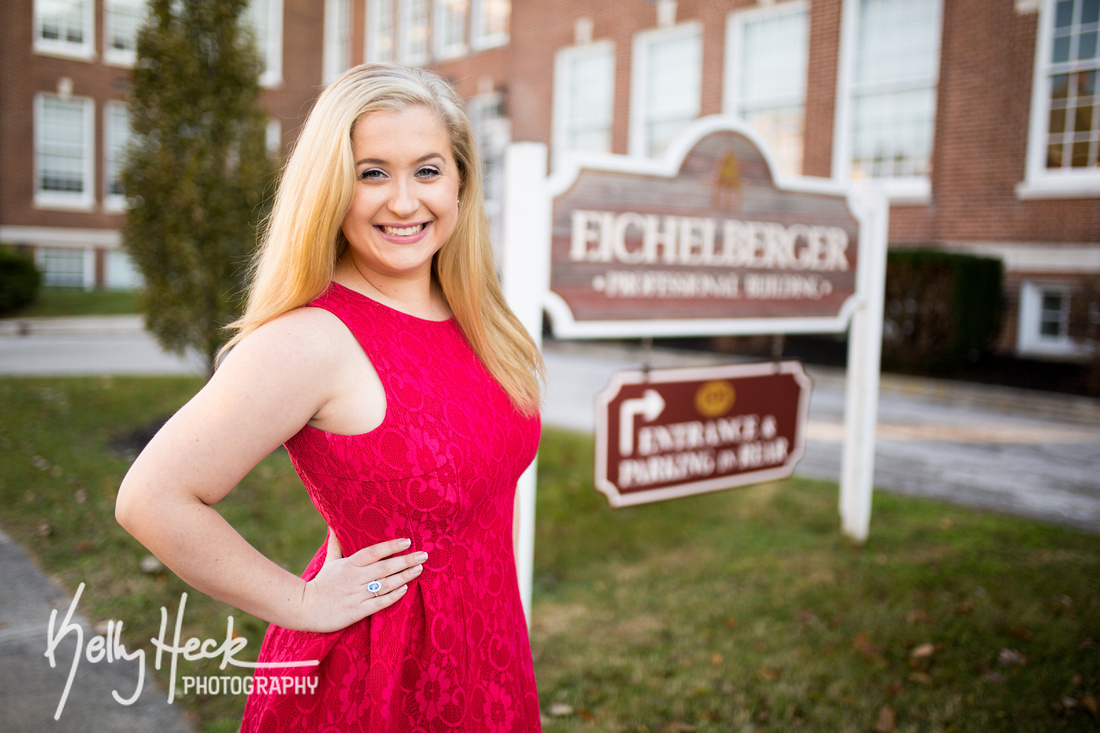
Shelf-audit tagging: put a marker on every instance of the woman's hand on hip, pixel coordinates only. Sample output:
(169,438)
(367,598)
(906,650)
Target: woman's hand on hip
(347,589)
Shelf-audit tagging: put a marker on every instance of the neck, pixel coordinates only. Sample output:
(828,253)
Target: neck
(417,296)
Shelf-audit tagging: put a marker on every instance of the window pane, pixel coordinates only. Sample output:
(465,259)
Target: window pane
(894,102)
(588,98)
(62,267)
(380,27)
(671,87)
(123,19)
(63,147)
(118,134)
(414,31)
(61,20)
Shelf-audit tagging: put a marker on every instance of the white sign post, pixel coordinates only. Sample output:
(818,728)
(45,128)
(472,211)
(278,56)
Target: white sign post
(775,258)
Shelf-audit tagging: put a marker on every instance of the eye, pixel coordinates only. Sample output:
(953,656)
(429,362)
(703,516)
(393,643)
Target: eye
(372,174)
(428,172)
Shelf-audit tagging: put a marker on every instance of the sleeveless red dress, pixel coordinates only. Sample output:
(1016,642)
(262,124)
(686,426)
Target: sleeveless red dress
(453,653)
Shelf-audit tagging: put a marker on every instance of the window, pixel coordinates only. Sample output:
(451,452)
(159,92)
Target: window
(666,83)
(584,95)
(64,133)
(891,99)
(66,267)
(450,28)
(65,28)
(491,20)
(380,30)
(1043,328)
(116,134)
(1064,140)
(413,40)
(122,18)
(493,132)
(766,77)
(337,38)
(266,19)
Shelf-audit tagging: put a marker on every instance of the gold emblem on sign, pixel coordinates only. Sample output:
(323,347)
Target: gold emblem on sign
(715,398)
(727,183)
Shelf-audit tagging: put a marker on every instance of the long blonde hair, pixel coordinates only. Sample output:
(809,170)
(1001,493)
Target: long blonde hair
(302,239)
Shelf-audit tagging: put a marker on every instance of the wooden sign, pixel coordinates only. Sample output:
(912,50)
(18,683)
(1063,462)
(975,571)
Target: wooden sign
(713,246)
(675,432)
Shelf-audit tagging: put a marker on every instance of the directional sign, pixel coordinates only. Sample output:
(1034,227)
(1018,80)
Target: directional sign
(668,433)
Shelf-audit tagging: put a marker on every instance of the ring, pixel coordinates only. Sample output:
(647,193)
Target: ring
(374,586)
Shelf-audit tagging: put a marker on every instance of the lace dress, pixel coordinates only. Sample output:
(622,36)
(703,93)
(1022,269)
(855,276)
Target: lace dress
(441,469)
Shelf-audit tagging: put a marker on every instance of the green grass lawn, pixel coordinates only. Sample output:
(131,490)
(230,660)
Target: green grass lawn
(53,302)
(734,611)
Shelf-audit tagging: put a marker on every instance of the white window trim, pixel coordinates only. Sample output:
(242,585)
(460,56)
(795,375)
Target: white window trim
(481,40)
(84,51)
(560,117)
(113,56)
(333,64)
(87,272)
(638,144)
(370,35)
(111,202)
(1039,182)
(405,53)
(1029,340)
(441,50)
(85,200)
(916,190)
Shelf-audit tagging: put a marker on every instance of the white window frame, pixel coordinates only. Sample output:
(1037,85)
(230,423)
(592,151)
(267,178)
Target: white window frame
(732,97)
(639,143)
(482,38)
(271,44)
(443,18)
(375,30)
(1039,181)
(563,94)
(80,201)
(911,190)
(111,148)
(412,51)
(84,51)
(114,56)
(337,48)
(1030,341)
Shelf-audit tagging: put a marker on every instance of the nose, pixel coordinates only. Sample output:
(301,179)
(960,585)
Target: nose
(403,199)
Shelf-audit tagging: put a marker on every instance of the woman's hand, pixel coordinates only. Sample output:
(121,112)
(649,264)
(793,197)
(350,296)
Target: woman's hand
(346,590)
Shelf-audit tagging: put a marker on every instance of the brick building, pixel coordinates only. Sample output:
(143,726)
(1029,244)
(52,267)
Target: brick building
(980,118)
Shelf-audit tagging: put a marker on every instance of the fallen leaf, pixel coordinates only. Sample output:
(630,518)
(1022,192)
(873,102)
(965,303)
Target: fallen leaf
(886,721)
(716,660)
(1011,658)
(83,546)
(560,709)
(586,715)
(1089,703)
(918,615)
(964,609)
(43,529)
(770,673)
(921,678)
(893,689)
(731,622)
(923,651)
(865,648)
(150,564)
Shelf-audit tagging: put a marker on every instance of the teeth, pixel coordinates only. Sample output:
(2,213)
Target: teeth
(403,231)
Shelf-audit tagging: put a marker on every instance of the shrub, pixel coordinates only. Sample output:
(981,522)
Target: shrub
(19,279)
(943,310)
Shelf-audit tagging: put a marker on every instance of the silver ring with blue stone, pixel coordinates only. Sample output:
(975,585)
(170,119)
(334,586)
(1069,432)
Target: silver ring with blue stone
(374,586)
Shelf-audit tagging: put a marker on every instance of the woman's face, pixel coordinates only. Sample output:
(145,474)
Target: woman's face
(405,204)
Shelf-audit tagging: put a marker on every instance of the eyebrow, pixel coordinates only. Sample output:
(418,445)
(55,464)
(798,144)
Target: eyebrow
(380,161)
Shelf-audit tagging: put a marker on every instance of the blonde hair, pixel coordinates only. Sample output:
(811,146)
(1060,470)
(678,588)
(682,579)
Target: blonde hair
(302,239)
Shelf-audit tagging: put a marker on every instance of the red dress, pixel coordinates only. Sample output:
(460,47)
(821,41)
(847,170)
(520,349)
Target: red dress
(441,469)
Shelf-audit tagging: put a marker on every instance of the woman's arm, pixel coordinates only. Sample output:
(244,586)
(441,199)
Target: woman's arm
(274,382)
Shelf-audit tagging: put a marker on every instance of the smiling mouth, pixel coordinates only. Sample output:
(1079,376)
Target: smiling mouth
(403,231)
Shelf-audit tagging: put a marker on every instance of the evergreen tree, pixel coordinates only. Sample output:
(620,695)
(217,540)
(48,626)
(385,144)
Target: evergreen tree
(197,172)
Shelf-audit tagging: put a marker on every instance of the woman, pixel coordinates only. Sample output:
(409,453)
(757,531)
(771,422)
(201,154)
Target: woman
(377,346)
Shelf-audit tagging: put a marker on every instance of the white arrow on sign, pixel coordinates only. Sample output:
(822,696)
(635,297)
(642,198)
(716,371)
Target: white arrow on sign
(650,405)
